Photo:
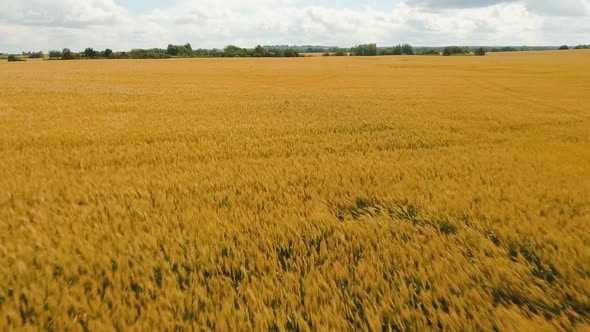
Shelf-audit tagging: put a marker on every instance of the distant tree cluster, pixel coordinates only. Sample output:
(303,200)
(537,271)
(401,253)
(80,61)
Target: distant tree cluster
(173,51)
(14,58)
(36,55)
(33,55)
(55,54)
(316,49)
(337,52)
(455,50)
(187,51)
(180,50)
(67,54)
(400,49)
(522,48)
(427,52)
(232,51)
(90,53)
(480,51)
(372,50)
(139,53)
(304,48)
(313,49)
(504,49)
(406,49)
(364,50)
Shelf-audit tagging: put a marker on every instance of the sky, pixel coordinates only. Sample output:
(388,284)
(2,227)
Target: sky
(33,25)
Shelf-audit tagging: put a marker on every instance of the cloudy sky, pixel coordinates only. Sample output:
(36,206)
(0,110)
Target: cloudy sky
(125,24)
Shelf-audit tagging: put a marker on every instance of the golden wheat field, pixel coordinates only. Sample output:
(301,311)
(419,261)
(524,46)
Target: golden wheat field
(296,194)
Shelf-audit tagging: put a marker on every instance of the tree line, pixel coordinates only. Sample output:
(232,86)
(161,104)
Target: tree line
(373,50)
(187,51)
(407,49)
(183,51)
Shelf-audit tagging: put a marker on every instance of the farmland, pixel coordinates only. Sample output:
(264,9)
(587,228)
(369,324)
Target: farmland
(320,193)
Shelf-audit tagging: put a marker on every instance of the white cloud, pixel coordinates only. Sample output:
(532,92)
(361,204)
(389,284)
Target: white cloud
(64,13)
(560,7)
(42,24)
(545,7)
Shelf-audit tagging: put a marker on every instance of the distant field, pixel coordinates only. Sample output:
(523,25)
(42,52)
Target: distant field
(319,193)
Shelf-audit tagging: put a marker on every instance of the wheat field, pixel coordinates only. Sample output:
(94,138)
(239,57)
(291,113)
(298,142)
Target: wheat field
(303,194)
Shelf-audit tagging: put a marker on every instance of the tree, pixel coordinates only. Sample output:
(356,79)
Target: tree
(55,54)
(259,51)
(504,49)
(90,52)
(365,50)
(67,54)
(480,51)
(152,53)
(452,50)
(407,49)
(564,47)
(107,53)
(234,51)
(180,50)
(397,50)
(428,52)
(36,55)
(275,53)
(172,50)
(290,53)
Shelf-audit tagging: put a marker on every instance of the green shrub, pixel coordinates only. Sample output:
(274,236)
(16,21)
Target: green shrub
(14,58)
